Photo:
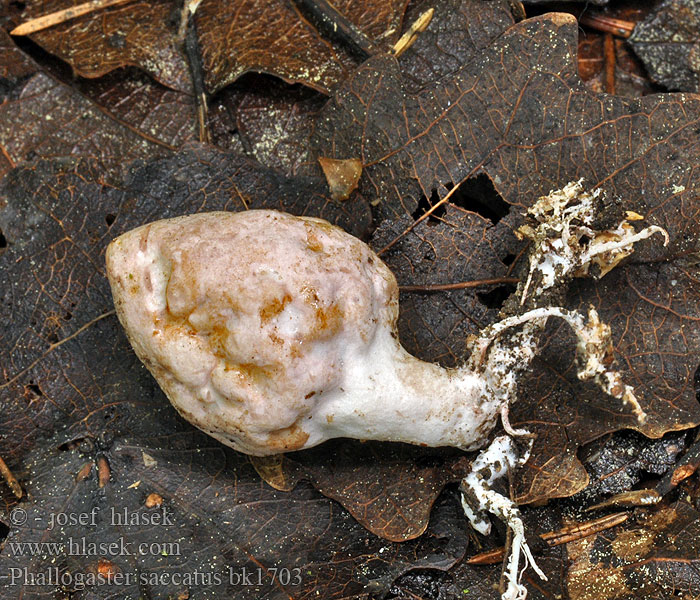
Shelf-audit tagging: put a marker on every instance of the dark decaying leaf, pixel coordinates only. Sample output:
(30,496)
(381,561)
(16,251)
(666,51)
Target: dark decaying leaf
(217,522)
(15,68)
(275,123)
(59,122)
(154,110)
(521,115)
(458,245)
(667,42)
(234,37)
(275,37)
(654,556)
(370,479)
(141,34)
(458,30)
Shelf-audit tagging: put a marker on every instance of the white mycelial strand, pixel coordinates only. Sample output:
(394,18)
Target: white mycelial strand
(564,217)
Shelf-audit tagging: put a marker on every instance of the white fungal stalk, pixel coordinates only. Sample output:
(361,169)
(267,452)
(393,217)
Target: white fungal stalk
(274,333)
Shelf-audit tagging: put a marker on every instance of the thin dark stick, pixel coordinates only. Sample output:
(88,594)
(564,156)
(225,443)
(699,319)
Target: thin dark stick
(335,26)
(617,27)
(457,286)
(194,59)
(610,59)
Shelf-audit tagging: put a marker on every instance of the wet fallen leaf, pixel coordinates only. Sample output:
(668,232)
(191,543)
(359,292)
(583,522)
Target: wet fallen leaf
(139,34)
(649,556)
(210,536)
(667,42)
(370,478)
(133,98)
(275,122)
(59,122)
(275,37)
(458,30)
(234,38)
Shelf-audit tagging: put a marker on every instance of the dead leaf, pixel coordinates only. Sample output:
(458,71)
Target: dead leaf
(216,522)
(649,557)
(274,37)
(135,34)
(57,121)
(274,121)
(370,478)
(667,43)
(253,35)
(458,31)
(134,99)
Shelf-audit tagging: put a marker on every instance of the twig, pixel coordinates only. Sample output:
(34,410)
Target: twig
(457,286)
(422,218)
(556,538)
(10,479)
(333,25)
(408,38)
(61,16)
(610,59)
(616,27)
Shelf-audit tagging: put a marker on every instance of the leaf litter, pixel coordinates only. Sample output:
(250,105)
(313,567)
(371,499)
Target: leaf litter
(508,116)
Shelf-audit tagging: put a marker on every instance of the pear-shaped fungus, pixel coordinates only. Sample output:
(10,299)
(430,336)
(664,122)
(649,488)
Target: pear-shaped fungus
(274,333)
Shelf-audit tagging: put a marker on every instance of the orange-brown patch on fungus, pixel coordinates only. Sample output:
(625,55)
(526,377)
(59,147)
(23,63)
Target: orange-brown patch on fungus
(287,439)
(258,374)
(274,308)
